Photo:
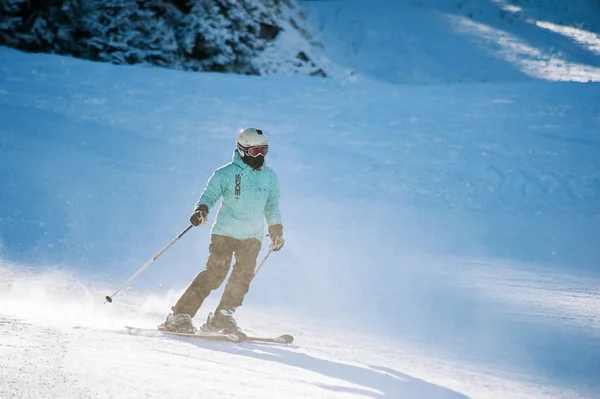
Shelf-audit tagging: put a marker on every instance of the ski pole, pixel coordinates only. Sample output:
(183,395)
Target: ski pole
(263,262)
(109,297)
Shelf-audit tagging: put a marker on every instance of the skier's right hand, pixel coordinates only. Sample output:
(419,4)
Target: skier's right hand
(200,215)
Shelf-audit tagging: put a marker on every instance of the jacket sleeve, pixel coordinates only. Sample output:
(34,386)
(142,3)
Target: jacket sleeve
(212,193)
(272,213)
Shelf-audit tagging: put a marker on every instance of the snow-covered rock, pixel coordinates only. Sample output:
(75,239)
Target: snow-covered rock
(251,37)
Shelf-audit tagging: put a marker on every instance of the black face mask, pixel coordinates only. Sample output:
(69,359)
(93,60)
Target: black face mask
(254,162)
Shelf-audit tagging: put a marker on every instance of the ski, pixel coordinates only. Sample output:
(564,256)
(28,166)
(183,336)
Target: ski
(154,332)
(212,336)
(282,339)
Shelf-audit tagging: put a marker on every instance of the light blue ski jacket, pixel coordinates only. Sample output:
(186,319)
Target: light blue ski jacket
(249,197)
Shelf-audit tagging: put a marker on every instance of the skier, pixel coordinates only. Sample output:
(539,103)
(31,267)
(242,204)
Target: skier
(250,194)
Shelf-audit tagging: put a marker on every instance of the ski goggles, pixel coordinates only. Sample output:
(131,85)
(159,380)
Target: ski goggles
(256,151)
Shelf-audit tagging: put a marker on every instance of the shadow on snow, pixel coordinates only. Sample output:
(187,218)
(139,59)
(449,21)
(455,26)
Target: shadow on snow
(378,381)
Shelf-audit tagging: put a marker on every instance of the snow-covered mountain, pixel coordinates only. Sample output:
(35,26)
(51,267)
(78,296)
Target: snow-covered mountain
(441,238)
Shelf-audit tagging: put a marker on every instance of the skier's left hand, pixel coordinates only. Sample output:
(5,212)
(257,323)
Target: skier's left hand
(276,234)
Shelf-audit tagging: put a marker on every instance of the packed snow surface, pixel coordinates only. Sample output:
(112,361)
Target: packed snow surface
(441,237)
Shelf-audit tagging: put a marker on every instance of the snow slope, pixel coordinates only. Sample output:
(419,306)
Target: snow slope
(59,341)
(441,240)
(453,41)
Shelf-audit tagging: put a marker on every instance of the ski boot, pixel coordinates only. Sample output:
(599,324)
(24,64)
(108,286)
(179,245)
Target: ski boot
(179,323)
(222,322)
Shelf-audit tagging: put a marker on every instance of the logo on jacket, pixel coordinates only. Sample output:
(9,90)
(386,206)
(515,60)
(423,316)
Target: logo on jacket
(238,183)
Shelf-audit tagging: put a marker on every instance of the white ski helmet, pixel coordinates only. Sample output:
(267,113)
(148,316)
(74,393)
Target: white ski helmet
(252,142)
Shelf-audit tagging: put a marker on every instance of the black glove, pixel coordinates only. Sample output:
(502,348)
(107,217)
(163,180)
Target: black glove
(200,215)
(276,234)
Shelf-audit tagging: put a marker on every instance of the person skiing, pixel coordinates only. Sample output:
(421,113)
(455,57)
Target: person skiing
(250,195)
